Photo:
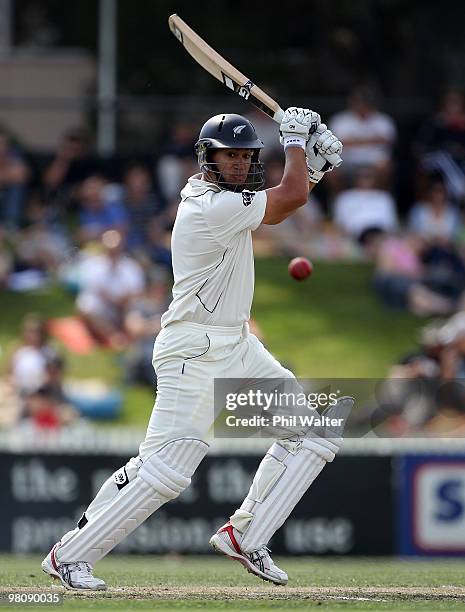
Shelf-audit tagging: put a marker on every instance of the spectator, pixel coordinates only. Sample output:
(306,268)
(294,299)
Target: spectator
(400,278)
(72,164)
(449,418)
(364,206)
(48,406)
(142,322)
(451,336)
(158,248)
(424,361)
(6,258)
(417,395)
(28,362)
(109,281)
(43,243)
(177,163)
(445,268)
(10,405)
(441,143)
(14,175)
(141,204)
(98,213)
(435,217)
(368,136)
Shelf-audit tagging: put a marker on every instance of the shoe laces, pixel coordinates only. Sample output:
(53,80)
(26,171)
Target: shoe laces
(261,552)
(80,566)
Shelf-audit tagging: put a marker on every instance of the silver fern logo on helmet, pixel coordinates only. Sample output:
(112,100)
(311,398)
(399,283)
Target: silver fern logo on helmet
(238,129)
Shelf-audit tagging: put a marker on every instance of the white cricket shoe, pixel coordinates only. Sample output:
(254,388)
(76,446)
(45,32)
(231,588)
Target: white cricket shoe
(76,575)
(227,541)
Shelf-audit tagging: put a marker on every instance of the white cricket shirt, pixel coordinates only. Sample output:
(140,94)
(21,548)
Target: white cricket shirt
(212,253)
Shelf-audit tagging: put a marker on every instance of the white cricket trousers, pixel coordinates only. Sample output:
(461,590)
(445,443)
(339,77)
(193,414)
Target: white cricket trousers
(187,357)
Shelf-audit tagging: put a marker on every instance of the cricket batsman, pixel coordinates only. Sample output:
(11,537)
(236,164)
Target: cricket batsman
(205,335)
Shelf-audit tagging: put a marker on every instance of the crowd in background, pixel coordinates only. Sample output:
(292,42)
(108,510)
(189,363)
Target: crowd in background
(102,229)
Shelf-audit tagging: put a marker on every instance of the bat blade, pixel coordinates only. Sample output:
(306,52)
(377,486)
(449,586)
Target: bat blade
(227,74)
(222,70)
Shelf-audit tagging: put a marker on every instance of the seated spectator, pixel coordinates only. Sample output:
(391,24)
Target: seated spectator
(444,269)
(177,161)
(424,361)
(368,136)
(452,338)
(410,396)
(28,361)
(449,419)
(441,143)
(72,164)
(400,278)
(10,405)
(424,389)
(97,212)
(158,248)
(43,243)
(435,218)
(141,204)
(14,174)
(109,280)
(439,225)
(6,258)
(142,322)
(48,406)
(364,206)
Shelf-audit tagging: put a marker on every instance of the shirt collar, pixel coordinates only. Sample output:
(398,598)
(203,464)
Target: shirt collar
(196,185)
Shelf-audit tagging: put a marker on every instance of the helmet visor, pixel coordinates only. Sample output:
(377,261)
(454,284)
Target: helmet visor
(252,181)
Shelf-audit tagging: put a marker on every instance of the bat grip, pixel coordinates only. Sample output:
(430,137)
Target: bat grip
(278,116)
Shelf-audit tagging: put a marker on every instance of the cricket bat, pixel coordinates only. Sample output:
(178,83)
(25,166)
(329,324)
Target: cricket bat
(227,74)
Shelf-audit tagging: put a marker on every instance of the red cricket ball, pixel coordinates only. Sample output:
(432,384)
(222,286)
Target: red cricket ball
(300,268)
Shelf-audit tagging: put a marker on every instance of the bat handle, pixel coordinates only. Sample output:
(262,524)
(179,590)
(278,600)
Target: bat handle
(278,116)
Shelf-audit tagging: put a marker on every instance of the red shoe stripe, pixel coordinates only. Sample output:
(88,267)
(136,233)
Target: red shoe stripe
(229,529)
(53,558)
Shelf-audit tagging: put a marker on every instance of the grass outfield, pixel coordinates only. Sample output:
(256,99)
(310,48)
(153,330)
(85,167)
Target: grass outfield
(332,325)
(214,583)
(329,326)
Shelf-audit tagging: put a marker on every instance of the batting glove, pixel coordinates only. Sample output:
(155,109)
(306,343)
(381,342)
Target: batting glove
(323,152)
(296,126)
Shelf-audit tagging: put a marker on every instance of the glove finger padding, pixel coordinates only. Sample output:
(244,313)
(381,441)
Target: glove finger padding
(297,125)
(313,119)
(328,143)
(323,150)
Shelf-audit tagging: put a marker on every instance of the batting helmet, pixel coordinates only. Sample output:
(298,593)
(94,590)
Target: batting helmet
(230,131)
